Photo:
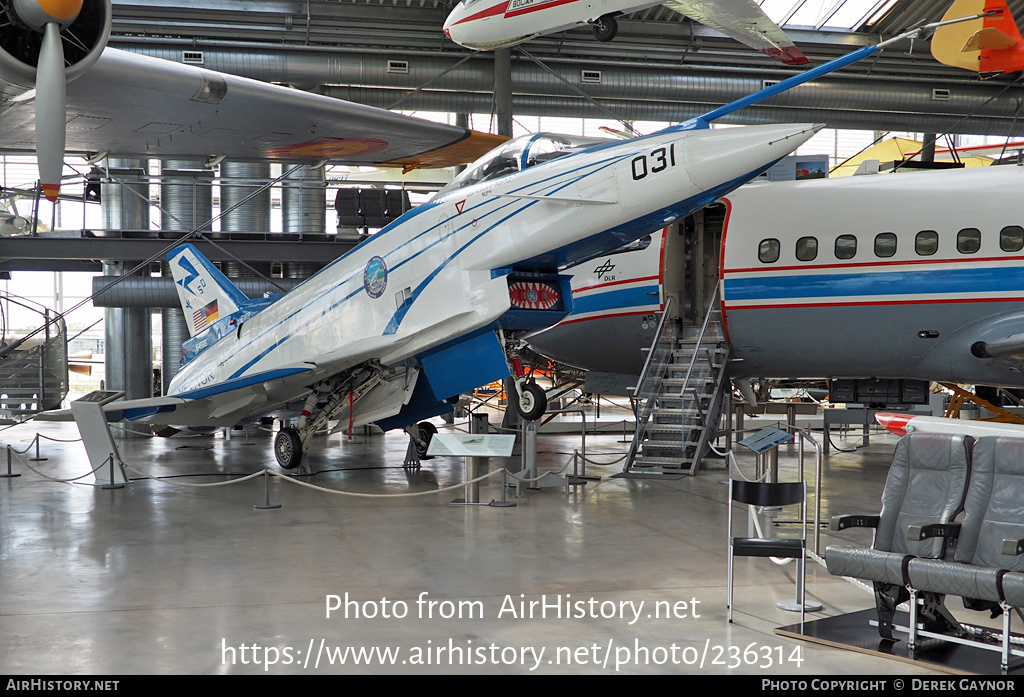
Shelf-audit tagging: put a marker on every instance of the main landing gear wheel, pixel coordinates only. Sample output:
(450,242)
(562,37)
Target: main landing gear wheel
(605,28)
(288,448)
(425,431)
(533,402)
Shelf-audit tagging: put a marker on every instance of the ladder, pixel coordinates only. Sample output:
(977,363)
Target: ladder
(680,393)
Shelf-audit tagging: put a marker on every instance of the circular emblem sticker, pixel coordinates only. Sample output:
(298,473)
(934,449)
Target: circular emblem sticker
(375,277)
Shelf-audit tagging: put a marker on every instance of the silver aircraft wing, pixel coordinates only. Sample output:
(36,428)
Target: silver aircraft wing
(744,21)
(132,105)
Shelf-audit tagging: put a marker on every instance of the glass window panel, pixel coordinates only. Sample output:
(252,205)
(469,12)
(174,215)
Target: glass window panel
(846,247)
(1011,238)
(926,243)
(806,248)
(885,244)
(968,240)
(768,251)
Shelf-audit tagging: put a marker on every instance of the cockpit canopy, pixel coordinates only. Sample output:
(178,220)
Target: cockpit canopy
(518,154)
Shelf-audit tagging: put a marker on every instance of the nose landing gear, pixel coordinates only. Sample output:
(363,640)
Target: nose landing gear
(533,401)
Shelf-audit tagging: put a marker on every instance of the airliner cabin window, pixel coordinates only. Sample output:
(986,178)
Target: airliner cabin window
(885,244)
(807,248)
(926,243)
(1011,238)
(768,251)
(968,240)
(846,247)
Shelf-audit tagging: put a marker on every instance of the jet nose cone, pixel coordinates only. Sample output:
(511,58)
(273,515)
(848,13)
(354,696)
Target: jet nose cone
(714,157)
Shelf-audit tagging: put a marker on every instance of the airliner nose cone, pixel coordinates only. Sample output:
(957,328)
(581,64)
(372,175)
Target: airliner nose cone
(714,157)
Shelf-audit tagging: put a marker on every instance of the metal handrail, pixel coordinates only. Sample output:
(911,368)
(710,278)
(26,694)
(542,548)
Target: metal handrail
(654,344)
(712,309)
(643,413)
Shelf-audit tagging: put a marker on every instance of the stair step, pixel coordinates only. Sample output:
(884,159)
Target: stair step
(664,463)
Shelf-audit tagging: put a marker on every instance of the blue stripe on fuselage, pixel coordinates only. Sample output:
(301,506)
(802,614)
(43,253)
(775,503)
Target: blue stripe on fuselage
(642,296)
(898,282)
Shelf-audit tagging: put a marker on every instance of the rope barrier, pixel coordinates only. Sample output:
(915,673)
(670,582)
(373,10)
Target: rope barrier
(58,440)
(54,479)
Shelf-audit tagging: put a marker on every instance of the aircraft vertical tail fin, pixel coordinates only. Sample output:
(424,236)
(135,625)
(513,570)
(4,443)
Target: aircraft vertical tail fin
(205,293)
(988,45)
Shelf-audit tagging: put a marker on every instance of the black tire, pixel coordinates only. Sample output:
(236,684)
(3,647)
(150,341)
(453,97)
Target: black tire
(605,28)
(533,402)
(288,448)
(426,432)
(162,431)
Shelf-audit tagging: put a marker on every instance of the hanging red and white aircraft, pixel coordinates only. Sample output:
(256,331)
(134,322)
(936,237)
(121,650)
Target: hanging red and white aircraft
(492,24)
(62,87)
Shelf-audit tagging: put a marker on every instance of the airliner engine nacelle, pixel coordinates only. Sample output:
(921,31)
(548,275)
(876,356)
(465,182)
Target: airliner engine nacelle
(39,38)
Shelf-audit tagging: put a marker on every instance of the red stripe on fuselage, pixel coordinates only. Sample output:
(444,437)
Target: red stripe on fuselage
(945,301)
(721,270)
(616,283)
(489,12)
(536,8)
(619,314)
(861,264)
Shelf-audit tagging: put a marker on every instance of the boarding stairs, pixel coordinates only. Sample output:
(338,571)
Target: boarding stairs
(680,396)
(35,379)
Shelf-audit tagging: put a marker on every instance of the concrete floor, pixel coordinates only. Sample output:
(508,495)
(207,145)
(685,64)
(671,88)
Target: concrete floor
(160,578)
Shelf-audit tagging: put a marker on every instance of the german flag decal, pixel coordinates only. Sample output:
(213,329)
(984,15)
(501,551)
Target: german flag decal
(203,317)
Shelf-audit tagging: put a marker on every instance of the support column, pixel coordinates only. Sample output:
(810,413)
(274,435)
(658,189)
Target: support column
(186,196)
(503,90)
(928,148)
(239,180)
(128,342)
(304,200)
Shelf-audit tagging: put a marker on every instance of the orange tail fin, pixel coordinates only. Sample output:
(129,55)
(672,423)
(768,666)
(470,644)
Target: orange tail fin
(989,45)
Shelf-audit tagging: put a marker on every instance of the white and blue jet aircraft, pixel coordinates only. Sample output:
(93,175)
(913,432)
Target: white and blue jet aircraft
(436,303)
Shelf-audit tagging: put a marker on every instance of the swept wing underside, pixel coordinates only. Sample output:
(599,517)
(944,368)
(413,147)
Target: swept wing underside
(132,105)
(744,21)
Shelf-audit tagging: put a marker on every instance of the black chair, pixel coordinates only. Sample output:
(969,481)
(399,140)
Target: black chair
(768,494)
(346,202)
(373,203)
(398,203)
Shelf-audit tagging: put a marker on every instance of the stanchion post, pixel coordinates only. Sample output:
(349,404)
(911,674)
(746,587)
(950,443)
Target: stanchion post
(266,505)
(112,484)
(9,475)
(504,485)
(575,479)
(37,458)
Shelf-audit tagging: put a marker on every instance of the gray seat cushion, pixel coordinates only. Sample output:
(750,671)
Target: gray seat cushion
(862,562)
(952,578)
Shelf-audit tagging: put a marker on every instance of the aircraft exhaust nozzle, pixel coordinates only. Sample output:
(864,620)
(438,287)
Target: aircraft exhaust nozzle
(1009,346)
(723,155)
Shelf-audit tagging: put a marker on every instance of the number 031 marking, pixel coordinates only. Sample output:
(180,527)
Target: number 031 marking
(658,161)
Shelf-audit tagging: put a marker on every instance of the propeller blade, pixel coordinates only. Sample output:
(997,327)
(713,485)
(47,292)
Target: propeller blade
(51,111)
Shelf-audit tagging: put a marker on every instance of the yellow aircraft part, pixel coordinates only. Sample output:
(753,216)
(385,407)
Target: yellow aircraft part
(466,150)
(894,150)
